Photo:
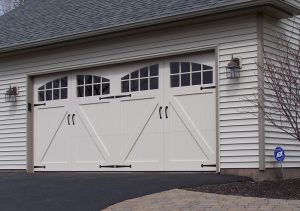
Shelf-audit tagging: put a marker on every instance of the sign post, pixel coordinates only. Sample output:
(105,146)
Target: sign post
(279,156)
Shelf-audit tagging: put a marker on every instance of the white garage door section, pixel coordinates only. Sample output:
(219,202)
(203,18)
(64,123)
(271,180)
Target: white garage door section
(145,116)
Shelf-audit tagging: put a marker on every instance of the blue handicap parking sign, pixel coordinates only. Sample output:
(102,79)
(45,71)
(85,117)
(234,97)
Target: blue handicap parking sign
(279,154)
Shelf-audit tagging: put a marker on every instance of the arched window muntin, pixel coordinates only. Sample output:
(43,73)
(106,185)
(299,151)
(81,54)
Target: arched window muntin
(54,90)
(143,79)
(190,74)
(90,85)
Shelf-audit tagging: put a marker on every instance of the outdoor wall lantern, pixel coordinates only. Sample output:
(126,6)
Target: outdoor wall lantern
(233,68)
(11,94)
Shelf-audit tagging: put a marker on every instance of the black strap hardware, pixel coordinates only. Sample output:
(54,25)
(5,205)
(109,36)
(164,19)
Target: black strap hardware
(207,87)
(39,167)
(115,166)
(39,104)
(109,97)
(120,96)
(212,165)
(114,97)
(29,105)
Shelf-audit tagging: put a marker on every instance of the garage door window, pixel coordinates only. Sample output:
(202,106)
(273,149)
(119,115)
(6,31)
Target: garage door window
(89,85)
(190,74)
(143,79)
(54,90)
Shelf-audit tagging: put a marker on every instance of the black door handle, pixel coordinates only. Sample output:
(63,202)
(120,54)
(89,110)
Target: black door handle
(73,119)
(69,119)
(160,112)
(166,111)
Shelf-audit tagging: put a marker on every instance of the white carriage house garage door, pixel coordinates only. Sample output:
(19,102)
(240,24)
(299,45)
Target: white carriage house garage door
(144,116)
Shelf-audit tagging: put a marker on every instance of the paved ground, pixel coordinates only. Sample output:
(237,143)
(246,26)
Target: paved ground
(90,191)
(181,200)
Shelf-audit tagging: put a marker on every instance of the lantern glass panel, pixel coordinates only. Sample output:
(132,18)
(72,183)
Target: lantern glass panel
(233,72)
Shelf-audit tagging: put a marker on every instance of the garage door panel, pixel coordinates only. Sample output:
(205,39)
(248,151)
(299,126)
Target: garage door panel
(145,146)
(48,135)
(136,113)
(142,129)
(96,133)
(196,124)
(198,113)
(185,143)
(184,147)
(96,140)
(88,146)
(51,126)
(191,124)
(53,138)
(98,120)
(148,149)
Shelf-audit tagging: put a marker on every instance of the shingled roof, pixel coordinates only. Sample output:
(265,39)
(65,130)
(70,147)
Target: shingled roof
(45,20)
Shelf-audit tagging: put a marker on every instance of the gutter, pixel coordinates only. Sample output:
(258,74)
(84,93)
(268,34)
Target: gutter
(282,5)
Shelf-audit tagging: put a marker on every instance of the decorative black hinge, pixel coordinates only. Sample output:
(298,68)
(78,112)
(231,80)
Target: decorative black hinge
(109,97)
(123,166)
(115,166)
(39,167)
(107,166)
(120,96)
(29,105)
(39,104)
(212,165)
(114,97)
(207,87)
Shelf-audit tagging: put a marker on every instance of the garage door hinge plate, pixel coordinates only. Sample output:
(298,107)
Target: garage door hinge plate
(115,166)
(39,167)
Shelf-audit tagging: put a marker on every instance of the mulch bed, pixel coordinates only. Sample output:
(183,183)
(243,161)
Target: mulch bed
(288,189)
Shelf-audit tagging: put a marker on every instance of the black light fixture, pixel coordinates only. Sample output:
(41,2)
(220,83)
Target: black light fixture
(233,68)
(11,94)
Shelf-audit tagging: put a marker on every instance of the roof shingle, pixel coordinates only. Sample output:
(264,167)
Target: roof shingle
(40,20)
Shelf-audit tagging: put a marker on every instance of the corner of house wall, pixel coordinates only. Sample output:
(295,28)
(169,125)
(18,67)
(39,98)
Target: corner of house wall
(260,77)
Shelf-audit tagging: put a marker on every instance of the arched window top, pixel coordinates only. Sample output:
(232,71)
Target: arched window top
(145,78)
(54,90)
(89,85)
(190,74)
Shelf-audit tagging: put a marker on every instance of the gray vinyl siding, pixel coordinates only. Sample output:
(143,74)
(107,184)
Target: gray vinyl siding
(238,129)
(273,136)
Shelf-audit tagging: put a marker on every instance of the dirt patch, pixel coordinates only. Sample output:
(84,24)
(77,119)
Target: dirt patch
(288,189)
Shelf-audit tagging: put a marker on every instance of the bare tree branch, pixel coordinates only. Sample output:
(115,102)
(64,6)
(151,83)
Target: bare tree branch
(281,91)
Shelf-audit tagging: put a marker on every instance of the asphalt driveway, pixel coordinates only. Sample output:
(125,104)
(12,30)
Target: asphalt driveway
(91,191)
